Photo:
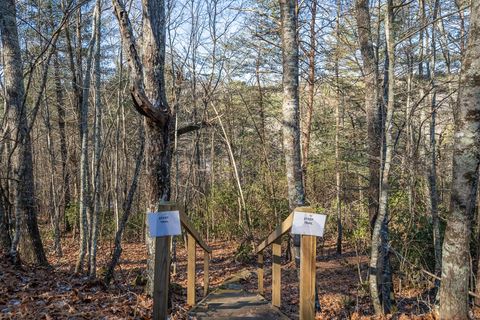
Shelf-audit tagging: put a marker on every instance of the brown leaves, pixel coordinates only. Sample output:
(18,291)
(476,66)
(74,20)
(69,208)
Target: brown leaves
(58,294)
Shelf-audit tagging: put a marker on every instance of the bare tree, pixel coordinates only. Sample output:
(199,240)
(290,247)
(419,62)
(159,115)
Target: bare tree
(27,232)
(85,235)
(380,281)
(373,111)
(97,141)
(149,98)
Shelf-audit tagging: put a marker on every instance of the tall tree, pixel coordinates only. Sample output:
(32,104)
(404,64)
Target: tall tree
(27,233)
(466,160)
(372,108)
(338,106)
(380,281)
(97,145)
(432,171)
(149,98)
(290,107)
(307,125)
(85,221)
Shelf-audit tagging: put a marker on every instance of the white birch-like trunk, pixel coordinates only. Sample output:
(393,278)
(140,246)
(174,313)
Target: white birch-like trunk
(85,221)
(466,160)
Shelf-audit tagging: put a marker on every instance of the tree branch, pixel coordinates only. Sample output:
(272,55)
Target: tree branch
(140,99)
(195,126)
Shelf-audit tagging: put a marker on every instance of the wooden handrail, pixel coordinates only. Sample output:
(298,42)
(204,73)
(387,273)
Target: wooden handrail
(277,233)
(192,231)
(281,229)
(307,266)
(162,262)
(192,239)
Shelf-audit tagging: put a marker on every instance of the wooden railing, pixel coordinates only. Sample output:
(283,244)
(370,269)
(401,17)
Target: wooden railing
(162,265)
(307,266)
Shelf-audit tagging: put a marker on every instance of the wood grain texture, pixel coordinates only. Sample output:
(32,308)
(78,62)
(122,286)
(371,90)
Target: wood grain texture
(307,277)
(276,272)
(260,274)
(206,272)
(191,264)
(161,278)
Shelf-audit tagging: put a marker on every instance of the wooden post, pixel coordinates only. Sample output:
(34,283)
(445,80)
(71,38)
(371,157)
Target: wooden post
(206,267)
(307,277)
(276,272)
(260,273)
(191,248)
(161,278)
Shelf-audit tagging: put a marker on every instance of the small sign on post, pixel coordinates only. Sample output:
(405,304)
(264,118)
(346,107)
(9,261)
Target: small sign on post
(309,224)
(165,223)
(162,225)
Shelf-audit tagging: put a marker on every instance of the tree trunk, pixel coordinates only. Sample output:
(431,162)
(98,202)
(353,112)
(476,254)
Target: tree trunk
(53,190)
(5,240)
(432,172)
(31,247)
(85,235)
(370,76)
(338,182)
(127,206)
(307,126)
(380,285)
(148,93)
(63,140)
(97,138)
(291,126)
(466,159)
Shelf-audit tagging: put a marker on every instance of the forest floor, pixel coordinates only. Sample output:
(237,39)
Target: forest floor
(58,293)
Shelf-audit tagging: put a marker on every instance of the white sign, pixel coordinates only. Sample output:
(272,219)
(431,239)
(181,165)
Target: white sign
(165,223)
(312,224)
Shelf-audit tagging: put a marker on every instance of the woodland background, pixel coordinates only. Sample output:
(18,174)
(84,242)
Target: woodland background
(223,81)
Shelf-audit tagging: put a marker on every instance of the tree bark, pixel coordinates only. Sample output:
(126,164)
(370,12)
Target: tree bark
(97,141)
(338,181)
(85,220)
(432,172)
(149,98)
(31,247)
(380,277)
(307,126)
(466,159)
(373,111)
(5,239)
(291,125)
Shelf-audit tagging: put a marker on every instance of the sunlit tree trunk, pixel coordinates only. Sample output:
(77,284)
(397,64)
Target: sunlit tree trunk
(291,126)
(466,159)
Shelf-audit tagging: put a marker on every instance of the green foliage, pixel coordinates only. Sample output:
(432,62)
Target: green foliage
(245,253)
(135,227)
(412,236)
(71,215)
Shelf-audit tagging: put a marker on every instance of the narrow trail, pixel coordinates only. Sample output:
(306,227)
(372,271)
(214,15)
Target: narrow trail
(231,301)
